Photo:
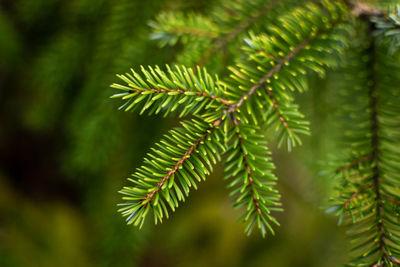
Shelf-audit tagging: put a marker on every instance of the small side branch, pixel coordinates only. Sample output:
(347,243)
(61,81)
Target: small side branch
(373,95)
(234,107)
(353,163)
(360,191)
(391,200)
(149,197)
(249,173)
(267,76)
(222,42)
(278,112)
(381,263)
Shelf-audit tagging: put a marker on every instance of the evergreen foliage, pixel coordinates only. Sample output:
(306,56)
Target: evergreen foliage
(368,185)
(249,171)
(284,42)
(187,154)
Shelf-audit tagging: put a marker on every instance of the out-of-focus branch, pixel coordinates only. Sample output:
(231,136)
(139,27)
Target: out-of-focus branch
(362,9)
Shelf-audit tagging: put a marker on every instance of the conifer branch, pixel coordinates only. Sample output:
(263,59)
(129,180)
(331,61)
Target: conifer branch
(391,200)
(249,169)
(179,89)
(278,57)
(386,24)
(171,27)
(150,196)
(353,163)
(221,42)
(234,107)
(372,188)
(249,173)
(375,142)
(278,111)
(259,95)
(185,156)
(267,76)
(360,191)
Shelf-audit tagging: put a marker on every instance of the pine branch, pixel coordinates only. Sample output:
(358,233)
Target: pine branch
(234,107)
(269,75)
(185,156)
(375,143)
(286,51)
(258,95)
(353,196)
(388,29)
(205,37)
(221,43)
(169,28)
(353,164)
(249,169)
(372,189)
(177,90)
(386,25)
(150,196)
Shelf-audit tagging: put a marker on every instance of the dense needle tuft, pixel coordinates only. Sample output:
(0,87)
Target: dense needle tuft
(272,48)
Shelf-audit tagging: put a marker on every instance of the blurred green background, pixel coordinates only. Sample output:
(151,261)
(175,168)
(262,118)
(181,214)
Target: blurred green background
(65,151)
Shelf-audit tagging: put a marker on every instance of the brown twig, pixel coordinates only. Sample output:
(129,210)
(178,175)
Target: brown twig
(233,107)
(251,182)
(391,200)
(353,163)
(185,156)
(356,194)
(181,91)
(375,139)
(391,258)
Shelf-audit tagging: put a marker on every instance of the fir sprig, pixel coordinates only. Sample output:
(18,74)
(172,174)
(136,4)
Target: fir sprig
(249,171)
(178,162)
(234,113)
(276,65)
(368,191)
(178,89)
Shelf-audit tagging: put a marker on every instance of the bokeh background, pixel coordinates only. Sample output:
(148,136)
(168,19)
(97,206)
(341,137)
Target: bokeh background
(66,150)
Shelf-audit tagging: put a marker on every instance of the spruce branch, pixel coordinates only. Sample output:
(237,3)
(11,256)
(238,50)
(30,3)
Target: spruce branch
(234,107)
(388,29)
(386,24)
(185,156)
(354,163)
(375,142)
(286,51)
(170,27)
(273,64)
(249,170)
(180,89)
(221,42)
(178,164)
(257,96)
(372,188)
(353,196)
(205,37)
